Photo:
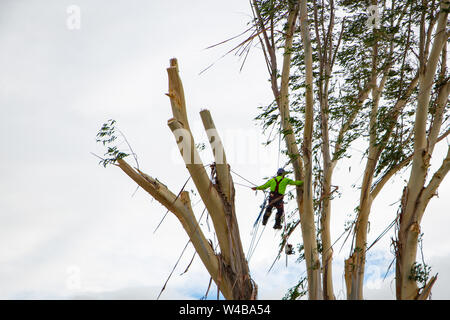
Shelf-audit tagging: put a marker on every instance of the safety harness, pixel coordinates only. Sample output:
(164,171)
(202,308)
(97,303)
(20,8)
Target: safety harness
(276,193)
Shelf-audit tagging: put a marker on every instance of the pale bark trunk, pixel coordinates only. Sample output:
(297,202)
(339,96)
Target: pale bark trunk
(181,207)
(325,53)
(349,263)
(226,190)
(282,99)
(356,263)
(283,103)
(413,205)
(307,214)
(222,167)
(327,250)
(209,195)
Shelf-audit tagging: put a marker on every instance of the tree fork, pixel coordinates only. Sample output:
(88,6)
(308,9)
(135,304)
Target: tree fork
(229,268)
(181,207)
(225,188)
(218,199)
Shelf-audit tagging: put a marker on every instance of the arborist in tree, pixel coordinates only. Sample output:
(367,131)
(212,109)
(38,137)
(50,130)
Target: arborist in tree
(277,188)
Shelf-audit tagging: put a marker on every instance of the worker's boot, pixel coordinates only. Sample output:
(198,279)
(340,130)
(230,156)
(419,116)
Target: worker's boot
(278,221)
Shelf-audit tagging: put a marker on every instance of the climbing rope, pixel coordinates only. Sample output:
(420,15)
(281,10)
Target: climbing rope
(249,255)
(255,229)
(243,177)
(181,255)
(256,235)
(254,232)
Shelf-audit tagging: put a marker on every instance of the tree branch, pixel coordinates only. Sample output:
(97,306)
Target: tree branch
(441,103)
(363,95)
(183,211)
(388,175)
(186,143)
(176,94)
(223,171)
(269,48)
(434,183)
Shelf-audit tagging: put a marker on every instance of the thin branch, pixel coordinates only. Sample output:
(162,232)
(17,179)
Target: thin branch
(435,126)
(333,58)
(435,181)
(388,175)
(178,195)
(179,258)
(363,95)
(376,188)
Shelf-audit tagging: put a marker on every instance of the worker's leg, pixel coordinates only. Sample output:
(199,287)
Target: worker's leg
(267,214)
(280,211)
(269,209)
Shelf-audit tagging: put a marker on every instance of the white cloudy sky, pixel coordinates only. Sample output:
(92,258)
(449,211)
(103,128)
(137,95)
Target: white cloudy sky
(72,229)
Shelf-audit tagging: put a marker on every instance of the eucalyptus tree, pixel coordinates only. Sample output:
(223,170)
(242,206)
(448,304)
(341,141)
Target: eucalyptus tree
(293,17)
(228,268)
(377,64)
(392,71)
(365,57)
(310,55)
(431,113)
(348,70)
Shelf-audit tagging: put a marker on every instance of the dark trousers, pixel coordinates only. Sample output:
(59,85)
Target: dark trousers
(275,200)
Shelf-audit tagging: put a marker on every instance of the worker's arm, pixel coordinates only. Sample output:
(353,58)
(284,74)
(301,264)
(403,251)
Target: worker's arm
(295,182)
(264,186)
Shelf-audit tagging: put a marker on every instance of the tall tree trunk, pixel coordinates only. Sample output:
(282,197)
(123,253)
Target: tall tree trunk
(229,268)
(307,214)
(281,94)
(327,250)
(354,266)
(416,195)
(325,54)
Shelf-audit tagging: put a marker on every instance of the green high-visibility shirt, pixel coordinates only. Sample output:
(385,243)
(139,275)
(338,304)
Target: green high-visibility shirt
(282,186)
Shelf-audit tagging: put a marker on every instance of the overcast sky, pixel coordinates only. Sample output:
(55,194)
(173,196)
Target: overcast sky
(71,229)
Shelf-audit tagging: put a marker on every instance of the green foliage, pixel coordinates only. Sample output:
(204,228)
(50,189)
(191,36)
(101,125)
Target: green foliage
(269,118)
(200,146)
(420,273)
(301,253)
(397,45)
(297,291)
(107,135)
(397,52)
